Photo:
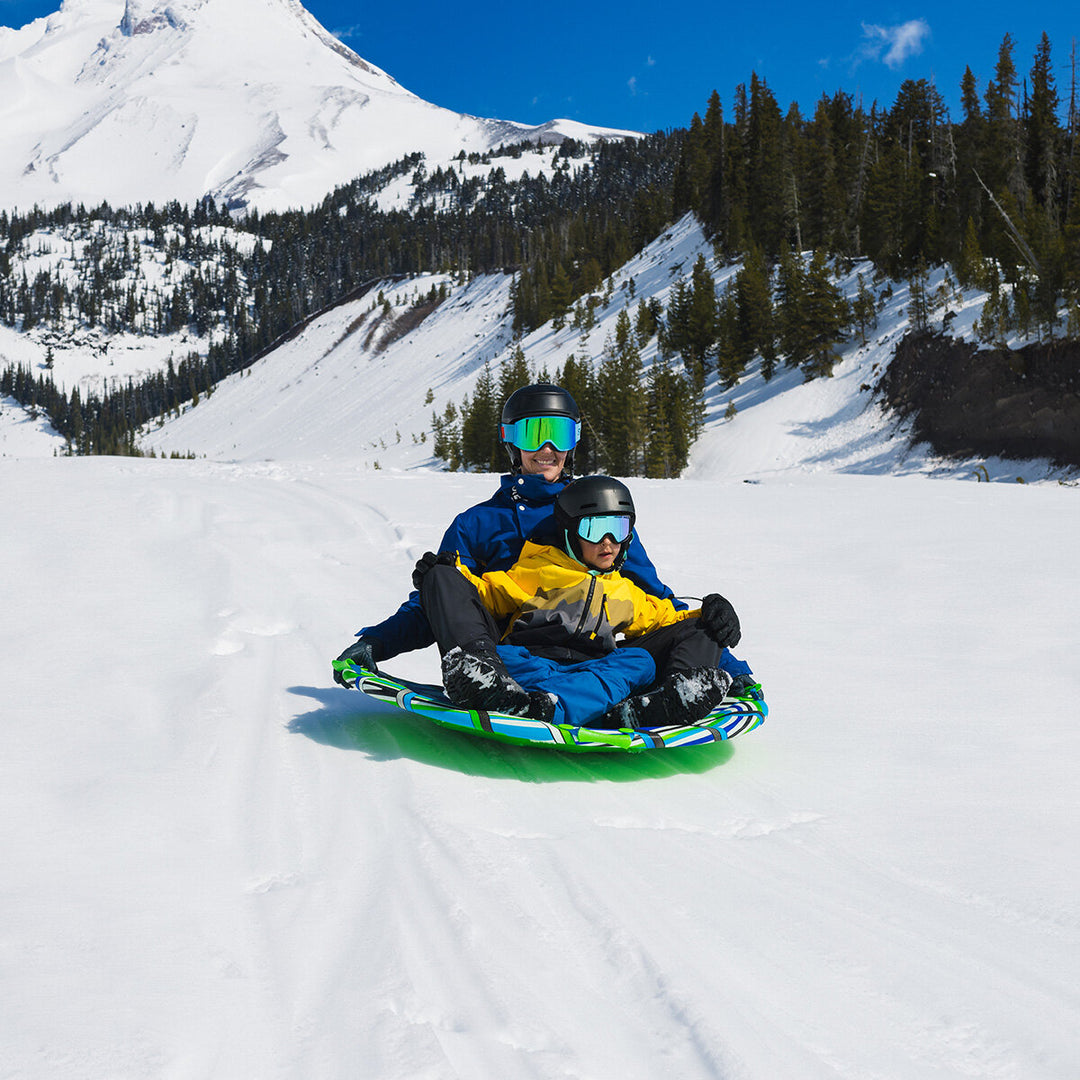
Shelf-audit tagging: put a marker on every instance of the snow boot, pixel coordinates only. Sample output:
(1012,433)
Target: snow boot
(475,677)
(683,698)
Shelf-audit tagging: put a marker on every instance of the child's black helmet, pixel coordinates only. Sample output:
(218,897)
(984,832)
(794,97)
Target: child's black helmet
(594,496)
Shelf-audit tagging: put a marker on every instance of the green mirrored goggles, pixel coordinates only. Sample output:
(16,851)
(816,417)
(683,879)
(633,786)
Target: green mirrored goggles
(533,432)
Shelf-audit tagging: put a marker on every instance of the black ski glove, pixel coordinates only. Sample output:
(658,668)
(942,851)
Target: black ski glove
(430,559)
(362,654)
(719,621)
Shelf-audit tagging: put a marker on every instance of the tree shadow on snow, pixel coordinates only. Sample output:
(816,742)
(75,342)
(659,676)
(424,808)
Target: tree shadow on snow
(349,721)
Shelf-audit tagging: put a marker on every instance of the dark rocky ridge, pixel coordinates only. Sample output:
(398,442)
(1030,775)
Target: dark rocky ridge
(1021,403)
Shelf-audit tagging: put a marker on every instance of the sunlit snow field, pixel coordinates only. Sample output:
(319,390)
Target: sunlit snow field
(217,863)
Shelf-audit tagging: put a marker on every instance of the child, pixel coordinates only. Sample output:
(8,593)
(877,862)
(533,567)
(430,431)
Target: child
(561,605)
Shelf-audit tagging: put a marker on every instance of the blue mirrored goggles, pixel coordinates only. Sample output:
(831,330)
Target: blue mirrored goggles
(533,432)
(596,527)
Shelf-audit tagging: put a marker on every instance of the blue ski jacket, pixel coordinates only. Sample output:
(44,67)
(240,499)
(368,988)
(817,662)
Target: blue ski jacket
(490,536)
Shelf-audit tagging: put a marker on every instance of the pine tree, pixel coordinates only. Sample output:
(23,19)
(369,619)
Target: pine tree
(969,137)
(881,220)
(659,450)
(479,423)
(767,170)
(675,411)
(1001,167)
(864,310)
(969,267)
(826,319)
(995,321)
(561,294)
(790,305)
(754,330)
(647,320)
(1071,229)
(919,307)
(729,364)
(713,210)
(577,379)
(701,320)
(622,403)
(513,375)
(692,171)
(1043,133)
(821,207)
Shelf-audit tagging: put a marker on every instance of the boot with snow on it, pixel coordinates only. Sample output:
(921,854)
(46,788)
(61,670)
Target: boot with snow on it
(683,698)
(475,677)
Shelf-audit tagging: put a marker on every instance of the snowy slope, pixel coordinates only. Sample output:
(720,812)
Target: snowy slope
(329,392)
(332,391)
(218,864)
(250,101)
(92,358)
(222,865)
(25,432)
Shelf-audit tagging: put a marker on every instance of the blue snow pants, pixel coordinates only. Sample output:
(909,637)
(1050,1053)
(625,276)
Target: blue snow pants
(587,689)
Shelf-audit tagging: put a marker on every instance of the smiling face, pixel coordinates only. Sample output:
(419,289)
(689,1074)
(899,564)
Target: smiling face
(546,462)
(600,556)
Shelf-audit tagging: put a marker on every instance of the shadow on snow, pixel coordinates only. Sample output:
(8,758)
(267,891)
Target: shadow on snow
(349,721)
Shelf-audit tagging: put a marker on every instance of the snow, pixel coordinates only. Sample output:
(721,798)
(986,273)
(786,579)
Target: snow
(217,863)
(93,359)
(332,392)
(250,101)
(26,432)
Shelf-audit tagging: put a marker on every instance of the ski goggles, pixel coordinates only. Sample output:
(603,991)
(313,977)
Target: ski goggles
(596,527)
(533,432)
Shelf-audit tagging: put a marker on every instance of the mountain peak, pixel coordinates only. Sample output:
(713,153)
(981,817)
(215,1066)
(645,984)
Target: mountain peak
(143,18)
(252,102)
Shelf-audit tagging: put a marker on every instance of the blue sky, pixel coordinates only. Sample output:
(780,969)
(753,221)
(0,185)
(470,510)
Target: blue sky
(651,65)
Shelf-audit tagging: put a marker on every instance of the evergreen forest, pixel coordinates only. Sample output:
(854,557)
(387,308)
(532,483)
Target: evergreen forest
(792,198)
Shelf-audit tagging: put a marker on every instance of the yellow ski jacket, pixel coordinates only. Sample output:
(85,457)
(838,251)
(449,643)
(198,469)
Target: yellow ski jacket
(552,600)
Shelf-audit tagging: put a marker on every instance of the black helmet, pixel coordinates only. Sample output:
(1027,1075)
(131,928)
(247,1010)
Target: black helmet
(539,399)
(592,496)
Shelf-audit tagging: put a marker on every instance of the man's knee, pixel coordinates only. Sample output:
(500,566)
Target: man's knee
(442,580)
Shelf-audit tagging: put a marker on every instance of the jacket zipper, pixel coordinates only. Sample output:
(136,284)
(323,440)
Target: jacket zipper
(600,616)
(588,604)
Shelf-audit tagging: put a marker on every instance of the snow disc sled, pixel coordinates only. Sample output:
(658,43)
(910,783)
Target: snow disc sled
(733,716)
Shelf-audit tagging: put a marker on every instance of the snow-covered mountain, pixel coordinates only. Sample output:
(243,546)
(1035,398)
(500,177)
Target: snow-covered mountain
(350,386)
(336,392)
(249,101)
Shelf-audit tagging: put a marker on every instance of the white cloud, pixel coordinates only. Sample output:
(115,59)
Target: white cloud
(632,83)
(897,42)
(346,33)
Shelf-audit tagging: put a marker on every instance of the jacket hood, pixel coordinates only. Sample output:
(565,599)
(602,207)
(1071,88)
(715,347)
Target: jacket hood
(541,550)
